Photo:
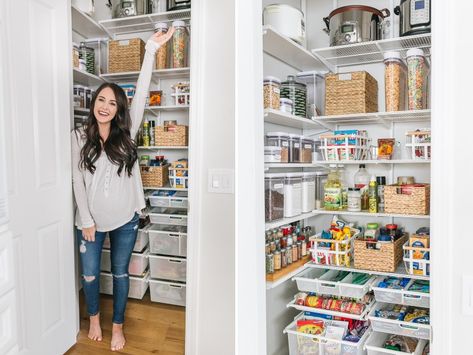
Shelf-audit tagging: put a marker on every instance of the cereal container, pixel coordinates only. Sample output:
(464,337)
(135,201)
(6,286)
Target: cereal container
(395,73)
(271,92)
(279,139)
(417,72)
(162,53)
(179,44)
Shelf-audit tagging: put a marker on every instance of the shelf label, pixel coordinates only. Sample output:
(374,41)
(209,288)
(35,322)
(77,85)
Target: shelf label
(344,77)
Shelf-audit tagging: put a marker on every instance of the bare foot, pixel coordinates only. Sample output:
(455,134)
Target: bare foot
(95,332)
(118,338)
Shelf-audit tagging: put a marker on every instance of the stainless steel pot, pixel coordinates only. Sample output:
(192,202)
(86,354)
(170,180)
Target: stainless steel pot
(354,24)
(414,17)
(127,8)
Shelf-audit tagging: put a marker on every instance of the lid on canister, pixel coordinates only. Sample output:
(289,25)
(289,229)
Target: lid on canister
(415,52)
(293,135)
(271,79)
(293,175)
(161,26)
(381,180)
(274,175)
(277,134)
(284,101)
(309,174)
(372,226)
(178,23)
(392,55)
(272,149)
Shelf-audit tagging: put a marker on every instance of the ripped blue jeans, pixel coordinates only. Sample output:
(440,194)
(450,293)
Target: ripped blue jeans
(122,241)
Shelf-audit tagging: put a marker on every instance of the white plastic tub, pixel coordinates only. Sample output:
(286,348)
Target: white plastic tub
(414,330)
(138,263)
(167,268)
(167,292)
(173,216)
(168,240)
(405,297)
(141,240)
(308,280)
(375,342)
(307,344)
(177,200)
(138,285)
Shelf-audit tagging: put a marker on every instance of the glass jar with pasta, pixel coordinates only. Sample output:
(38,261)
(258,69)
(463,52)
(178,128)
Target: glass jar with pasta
(179,44)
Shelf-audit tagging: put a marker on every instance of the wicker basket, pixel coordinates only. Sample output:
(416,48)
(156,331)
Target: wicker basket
(125,55)
(172,136)
(155,176)
(384,259)
(407,199)
(347,93)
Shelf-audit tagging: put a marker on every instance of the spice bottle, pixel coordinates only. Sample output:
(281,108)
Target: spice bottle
(373,195)
(146,133)
(277,260)
(269,263)
(381,180)
(179,44)
(162,53)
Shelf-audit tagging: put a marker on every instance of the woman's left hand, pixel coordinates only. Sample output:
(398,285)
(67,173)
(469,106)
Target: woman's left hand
(161,38)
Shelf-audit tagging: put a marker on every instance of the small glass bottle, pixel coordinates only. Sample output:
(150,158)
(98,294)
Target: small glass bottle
(277,260)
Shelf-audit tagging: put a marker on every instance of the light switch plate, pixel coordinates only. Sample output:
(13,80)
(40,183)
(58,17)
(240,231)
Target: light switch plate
(221,181)
(467,295)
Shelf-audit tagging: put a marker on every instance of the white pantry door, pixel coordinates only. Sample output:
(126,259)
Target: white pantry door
(36,50)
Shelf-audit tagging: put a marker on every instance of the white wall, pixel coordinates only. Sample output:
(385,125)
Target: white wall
(211,273)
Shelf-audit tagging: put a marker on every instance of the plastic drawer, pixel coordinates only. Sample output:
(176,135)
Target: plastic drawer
(375,342)
(168,240)
(138,263)
(348,289)
(172,216)
(167,292)
(307,344)
(307,281)
(327,286)
(414,330)
(141,240)
(138,285)
(167,268)
(404,297)
(178,200)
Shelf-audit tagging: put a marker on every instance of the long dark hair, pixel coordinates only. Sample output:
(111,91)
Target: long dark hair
(119,147)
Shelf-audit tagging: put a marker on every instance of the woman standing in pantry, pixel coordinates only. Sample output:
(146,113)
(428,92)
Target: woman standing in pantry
(108,190)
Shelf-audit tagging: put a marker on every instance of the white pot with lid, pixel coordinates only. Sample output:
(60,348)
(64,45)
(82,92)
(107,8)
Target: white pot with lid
(287,20)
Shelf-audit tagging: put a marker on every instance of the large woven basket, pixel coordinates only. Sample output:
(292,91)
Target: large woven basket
(384,259)
(125,55)
(407,199)
(347,93)
(155,176)
(172,136)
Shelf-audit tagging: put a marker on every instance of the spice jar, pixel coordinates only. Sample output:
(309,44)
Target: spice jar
(271,92)
(294,253)
(286,105)
(417,71)
(297,92)
(354,199)
(289,255)
(279,139)
(162,53)
(272,246)
(304,248)
(270,264)
(307,146)
(299,250)
(179,44)
(75,56)
(395,73)
(283,258)
(294,148)
(292,195)
(267,248)
(277,260)
(308,192)
(274,196)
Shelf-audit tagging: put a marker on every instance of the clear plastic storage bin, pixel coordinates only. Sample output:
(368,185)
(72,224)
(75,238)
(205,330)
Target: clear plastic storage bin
(274,196)
(138,263)
(308,192)
(272,154)
(279,139)
(403,296)
(177,199)
(138,285)
(168,240)
(307,146)
(395,81)
(271,92)
(167,268)
(294,148)
(167,292)
(173,216)
(292,194)
(375,342)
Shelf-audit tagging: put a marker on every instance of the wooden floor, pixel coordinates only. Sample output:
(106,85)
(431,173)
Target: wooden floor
(150,328)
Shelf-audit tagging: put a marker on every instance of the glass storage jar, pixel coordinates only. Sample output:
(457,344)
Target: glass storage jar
(395,73)
(279,139)
(87,54)
(292,194)
(179,44)
(417,75)
(162,53)
(271,92)
(294,148)
(274,196)
(297,92)
(286,105)
(307,146)
(308,192)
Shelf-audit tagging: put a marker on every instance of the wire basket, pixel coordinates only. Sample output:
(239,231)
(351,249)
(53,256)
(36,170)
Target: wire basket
(332,251)
(416,260)
(418,144)
(335,147)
